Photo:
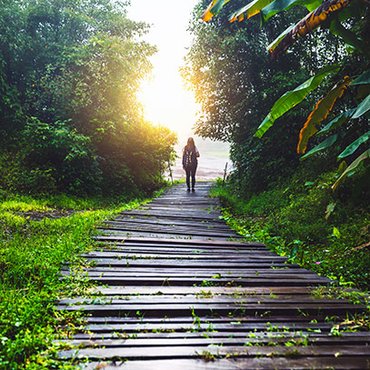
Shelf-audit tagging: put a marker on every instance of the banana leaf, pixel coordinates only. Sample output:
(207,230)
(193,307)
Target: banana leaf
(337,121)
(363,79)
(249,10)
(321,111)
(352,168)
(278,6)
(213,8)
(291,98)
(327,143)
(351,148)
(309,23)
(362,108)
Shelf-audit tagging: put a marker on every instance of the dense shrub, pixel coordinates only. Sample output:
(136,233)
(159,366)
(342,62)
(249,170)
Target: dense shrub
(306,221)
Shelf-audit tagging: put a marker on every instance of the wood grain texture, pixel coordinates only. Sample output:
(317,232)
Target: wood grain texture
(177,289)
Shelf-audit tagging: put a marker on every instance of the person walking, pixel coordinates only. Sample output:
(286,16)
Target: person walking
(190,156)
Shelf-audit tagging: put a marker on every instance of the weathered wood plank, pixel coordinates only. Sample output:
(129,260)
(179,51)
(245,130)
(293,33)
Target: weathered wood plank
(191,300)
(240,340)
(200,282)
(196,351)
(306,363)
(237,291)
(176,243)
(201,328)
(173,310)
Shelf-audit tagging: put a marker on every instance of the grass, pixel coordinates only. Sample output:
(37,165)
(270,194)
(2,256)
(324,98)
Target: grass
(293,220)
(31,256)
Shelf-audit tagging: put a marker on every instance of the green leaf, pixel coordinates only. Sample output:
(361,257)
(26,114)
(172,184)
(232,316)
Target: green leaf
(362,108)
(352,168)
(327,143)
(355,145)
(277,41)
(309,184)
(329,210)
(336,232)
(291,98)
(342,167)
(337,121)
(213,8)
(344,117)
(363,79)
(249,10)
(278,6)
(218,6)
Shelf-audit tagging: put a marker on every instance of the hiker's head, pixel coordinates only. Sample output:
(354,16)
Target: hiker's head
(190,142)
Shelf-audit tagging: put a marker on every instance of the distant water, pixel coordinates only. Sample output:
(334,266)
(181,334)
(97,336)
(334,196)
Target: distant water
(211,164)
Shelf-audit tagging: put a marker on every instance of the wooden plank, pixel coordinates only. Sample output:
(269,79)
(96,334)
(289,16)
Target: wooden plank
(248,322)
(237,291)
(200,309)
(230,329)
(307,363)
(170,219)
(190,300)
(213,336)
(210,276)
(179,244)
(189,262)
(189,253)
(119,250)
(251,269)
(161,222)
(240,340)
(194,241)
(196,352)
(171,231)
(173,215)
(127,226)
(155,281)
(157,234)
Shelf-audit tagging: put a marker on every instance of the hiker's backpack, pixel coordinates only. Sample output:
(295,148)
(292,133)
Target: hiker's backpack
(189,158)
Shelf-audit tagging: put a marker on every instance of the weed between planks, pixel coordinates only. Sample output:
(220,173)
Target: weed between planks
(31,256)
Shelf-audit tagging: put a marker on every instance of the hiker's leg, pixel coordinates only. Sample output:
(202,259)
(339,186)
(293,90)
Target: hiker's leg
(194,170)
(187,170)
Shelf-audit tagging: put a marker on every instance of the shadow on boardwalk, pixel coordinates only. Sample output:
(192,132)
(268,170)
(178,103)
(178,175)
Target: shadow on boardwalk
(177,289)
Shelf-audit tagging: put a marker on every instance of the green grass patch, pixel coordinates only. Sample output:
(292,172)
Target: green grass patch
(31,256)
(298,221)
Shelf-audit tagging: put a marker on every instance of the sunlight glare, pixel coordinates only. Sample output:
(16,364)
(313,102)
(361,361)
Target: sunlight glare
(166,101)
(164,97)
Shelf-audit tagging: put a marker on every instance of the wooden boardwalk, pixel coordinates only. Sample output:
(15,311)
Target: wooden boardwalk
(179,290)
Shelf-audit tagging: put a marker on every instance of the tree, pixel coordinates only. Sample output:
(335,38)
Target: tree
(69,71)
(346,19)
(236,83)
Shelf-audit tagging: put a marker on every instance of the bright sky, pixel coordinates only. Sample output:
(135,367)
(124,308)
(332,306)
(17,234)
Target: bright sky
(165,99)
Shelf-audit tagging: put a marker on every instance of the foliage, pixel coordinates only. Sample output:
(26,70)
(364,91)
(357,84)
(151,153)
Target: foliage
(290,219)
(32,253)
(344,18)
(291,98)
(236,83)
(69,73)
